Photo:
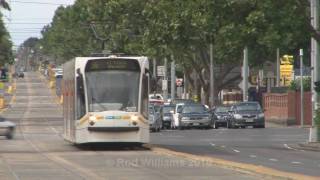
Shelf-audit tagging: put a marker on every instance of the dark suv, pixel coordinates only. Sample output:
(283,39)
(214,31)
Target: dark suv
(246,114)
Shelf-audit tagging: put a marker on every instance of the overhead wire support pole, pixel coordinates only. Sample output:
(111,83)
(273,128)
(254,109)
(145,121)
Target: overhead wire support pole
(314,6)
(212,98)
(278,68)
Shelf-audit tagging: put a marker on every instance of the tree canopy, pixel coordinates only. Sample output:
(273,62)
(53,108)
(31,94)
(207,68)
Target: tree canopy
(183,30)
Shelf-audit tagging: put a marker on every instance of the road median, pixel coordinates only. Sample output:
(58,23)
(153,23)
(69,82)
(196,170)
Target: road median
(251,169)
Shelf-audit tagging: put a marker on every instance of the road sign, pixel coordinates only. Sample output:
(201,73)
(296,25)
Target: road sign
(160,71)
(179,82)
(164,85)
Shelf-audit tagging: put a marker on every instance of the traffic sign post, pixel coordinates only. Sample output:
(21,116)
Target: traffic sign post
(160,71)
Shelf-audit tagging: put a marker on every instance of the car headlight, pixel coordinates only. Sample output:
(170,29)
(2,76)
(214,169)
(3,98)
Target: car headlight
(261,115)
(185,118)
(219,117)
(237,116)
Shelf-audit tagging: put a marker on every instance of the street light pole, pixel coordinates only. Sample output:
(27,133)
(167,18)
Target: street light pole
(212,98)
(245,74)
(301,90)
(173,79)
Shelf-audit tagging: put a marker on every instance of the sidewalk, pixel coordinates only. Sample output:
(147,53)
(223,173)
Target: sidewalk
(307,146)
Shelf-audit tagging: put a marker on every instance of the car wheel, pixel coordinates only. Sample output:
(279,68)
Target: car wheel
(243,127)
(215,125)
(9,135)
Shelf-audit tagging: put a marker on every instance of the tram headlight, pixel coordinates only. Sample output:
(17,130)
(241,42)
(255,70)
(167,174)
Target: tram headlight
(134,118)
(92,118)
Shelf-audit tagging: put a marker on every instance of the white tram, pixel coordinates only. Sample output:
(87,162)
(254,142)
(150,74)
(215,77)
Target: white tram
(106,99)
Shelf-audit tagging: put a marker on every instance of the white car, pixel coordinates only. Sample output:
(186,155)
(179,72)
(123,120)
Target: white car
(175,123)
(156,96)
(7,129)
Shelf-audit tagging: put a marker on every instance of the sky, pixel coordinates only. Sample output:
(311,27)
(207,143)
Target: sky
(28,17)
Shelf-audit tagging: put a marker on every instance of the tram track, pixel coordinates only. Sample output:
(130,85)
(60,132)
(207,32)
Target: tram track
(73,169)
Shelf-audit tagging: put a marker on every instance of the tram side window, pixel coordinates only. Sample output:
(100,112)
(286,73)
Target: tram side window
(81,104)
(144,95)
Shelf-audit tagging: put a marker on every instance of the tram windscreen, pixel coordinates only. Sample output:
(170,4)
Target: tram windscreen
(113,85)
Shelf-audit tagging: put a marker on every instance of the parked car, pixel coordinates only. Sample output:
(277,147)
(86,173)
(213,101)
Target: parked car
(167,116)
(182,101)
(7,128)
(246,114)
(220,116)
(194,115)
(154,119)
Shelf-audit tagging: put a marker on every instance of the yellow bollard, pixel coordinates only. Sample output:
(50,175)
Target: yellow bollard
(61,99)
(10,90)
(1,85)
(2,103)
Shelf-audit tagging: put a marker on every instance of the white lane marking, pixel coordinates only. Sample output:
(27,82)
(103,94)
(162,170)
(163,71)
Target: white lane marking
(237,151)
(212,144)
(274,160)
(295,162)
(253,156)
(288,147)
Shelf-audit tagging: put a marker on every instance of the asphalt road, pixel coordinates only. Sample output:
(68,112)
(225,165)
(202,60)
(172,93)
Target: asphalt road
(38,150)
(270,147)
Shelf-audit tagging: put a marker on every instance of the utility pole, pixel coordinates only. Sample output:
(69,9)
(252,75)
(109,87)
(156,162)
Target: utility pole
(185,86)
(173,79)
(278,68)
(212,98)
(301,90)
(245,73)
(313,136)
(165,80)
(154,63)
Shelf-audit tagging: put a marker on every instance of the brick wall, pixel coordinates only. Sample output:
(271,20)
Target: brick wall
(284,108)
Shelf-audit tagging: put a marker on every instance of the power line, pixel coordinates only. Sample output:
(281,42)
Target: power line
(40,3)
(26,23)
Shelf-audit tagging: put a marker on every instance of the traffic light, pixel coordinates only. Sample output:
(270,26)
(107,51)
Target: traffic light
(317,86)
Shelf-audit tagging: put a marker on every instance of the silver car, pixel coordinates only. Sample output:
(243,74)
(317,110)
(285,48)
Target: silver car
(7,129)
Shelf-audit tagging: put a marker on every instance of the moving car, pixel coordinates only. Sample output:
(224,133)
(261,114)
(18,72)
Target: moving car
(7,128)
(194,115)
(177,111)
(155,122)
(246,114)
(167,115)
(220,116)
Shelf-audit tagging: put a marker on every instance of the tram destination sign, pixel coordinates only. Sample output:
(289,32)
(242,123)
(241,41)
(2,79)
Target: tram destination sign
(113,64)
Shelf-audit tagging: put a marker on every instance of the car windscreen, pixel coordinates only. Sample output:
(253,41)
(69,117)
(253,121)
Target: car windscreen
(248,107)
(113,85)
(193,109)
(222,109)
(167,109)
